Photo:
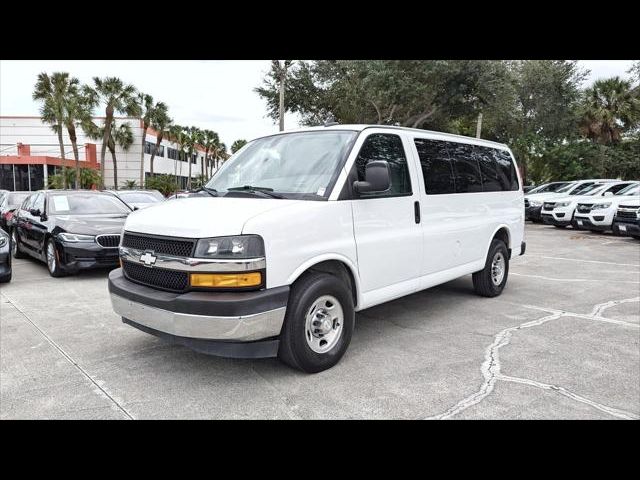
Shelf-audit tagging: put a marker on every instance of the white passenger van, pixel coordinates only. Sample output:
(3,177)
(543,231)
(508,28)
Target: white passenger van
(298,231)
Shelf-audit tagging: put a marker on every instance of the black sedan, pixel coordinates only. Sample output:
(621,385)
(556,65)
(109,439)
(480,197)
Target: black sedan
(5,257)
(70,229)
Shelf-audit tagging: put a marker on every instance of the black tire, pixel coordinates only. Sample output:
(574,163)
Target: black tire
(294,349)
(637,237)
(15,246)
(55,270)
(596,231)
(560,226)
(6,278)
(483,282)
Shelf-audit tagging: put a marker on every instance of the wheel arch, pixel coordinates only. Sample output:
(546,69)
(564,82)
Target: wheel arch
(503,233)
(334,264)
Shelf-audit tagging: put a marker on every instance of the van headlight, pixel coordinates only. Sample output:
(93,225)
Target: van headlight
(601,206)
(76,238)
(235,247)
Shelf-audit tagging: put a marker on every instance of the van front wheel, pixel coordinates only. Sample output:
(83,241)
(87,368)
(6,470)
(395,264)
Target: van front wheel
(490,281)
(319,323)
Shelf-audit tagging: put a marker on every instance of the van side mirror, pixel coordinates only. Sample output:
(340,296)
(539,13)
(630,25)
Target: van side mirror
(377,178)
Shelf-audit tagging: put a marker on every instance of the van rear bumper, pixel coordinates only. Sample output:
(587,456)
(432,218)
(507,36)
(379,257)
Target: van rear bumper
(218,323)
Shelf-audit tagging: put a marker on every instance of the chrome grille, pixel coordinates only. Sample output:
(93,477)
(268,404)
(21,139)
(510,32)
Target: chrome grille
(177,247)
(108,241)
(172,280)
(625,211)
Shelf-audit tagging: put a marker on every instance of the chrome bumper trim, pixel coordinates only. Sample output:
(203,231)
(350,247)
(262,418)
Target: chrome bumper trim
(194,264)
(243,328)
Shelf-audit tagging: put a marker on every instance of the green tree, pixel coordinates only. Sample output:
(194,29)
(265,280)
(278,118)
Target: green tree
(148,112)
(88,178)
(117,97)
(165,184)
(121,136)
(130,184)
(192,139)
(237,145)
(610,109)
(179,137)
(160,122)
(63,106)
(209,141)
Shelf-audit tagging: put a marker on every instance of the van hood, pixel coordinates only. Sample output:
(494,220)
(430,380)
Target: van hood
(200,217)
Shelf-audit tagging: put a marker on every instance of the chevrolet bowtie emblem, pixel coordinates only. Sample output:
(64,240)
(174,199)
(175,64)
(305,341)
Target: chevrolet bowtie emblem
(148,258)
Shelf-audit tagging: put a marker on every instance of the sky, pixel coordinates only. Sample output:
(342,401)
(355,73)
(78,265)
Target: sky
(217,95)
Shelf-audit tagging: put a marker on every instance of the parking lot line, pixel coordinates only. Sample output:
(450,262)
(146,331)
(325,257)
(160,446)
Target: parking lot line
(583,261)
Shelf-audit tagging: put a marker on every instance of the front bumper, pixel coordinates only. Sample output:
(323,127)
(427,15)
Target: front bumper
(533,213)
(549,219)
(231,324)
(585,223)
(629,228)
(76,256)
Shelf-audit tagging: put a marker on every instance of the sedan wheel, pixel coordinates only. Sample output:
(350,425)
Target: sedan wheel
(52,260)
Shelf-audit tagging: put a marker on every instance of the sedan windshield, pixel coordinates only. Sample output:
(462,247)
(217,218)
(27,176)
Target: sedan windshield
(134,197)
(86,204)
(633,189)
(293,165)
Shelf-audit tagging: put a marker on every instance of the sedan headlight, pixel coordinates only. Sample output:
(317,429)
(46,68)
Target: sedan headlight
(535,203)
(563,204)
(601,206)
(236,247)
(76,238)
(3,240)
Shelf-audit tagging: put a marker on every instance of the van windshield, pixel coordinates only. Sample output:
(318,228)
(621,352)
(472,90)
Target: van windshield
(302,165)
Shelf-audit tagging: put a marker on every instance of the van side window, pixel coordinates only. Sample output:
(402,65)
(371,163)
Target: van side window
(506,169)
(488,168)
(465,167)
(382,146)
(436,166)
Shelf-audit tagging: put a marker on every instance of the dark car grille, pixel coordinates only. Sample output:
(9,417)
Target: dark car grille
(627,212)
(165,245)
(549,205)
(583,208)
(108,241)
(172,280)
(526,203)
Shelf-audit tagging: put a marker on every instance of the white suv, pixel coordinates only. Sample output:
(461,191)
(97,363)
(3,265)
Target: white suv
(598,214)
(559,211)
(299,230)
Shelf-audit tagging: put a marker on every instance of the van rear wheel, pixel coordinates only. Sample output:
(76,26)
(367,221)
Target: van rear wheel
(490,281)
(318,324)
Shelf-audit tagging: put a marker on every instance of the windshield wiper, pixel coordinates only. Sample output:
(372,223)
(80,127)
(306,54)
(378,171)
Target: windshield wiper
(211,191)
(252,189)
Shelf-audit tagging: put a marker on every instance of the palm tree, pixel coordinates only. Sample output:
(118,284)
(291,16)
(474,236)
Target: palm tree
(237,145)
(161,123)
(121,136)
(148,110)
(117,97)
(610,109)
(192,136)
(61,107)
(280,73)
(179,137)
(209,141)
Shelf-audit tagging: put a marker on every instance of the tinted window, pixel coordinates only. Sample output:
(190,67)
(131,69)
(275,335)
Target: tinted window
(583,188)
(436,166)
(506,170)
(465,168)
(617,188)
(38,202)
(382,146)
(554,187)
(488,168)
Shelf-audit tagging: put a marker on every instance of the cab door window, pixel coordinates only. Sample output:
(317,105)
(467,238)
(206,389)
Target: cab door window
(387,147)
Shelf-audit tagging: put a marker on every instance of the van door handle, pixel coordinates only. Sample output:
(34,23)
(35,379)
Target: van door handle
(416,211)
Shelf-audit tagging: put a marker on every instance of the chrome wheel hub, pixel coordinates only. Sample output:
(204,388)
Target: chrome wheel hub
(51,257)
(323,326)
(498,266)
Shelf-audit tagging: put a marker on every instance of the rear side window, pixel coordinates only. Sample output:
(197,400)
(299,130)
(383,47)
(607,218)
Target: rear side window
(466,170)
(436,166)
(382,146)
(506,170)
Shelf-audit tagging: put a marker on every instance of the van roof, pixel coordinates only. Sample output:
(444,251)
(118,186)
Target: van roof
(361,127)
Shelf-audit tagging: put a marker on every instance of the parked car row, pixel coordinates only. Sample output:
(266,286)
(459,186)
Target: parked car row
(69,230)
(596,204)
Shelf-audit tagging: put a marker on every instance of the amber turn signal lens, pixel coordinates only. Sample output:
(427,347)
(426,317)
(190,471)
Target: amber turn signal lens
(226,280)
